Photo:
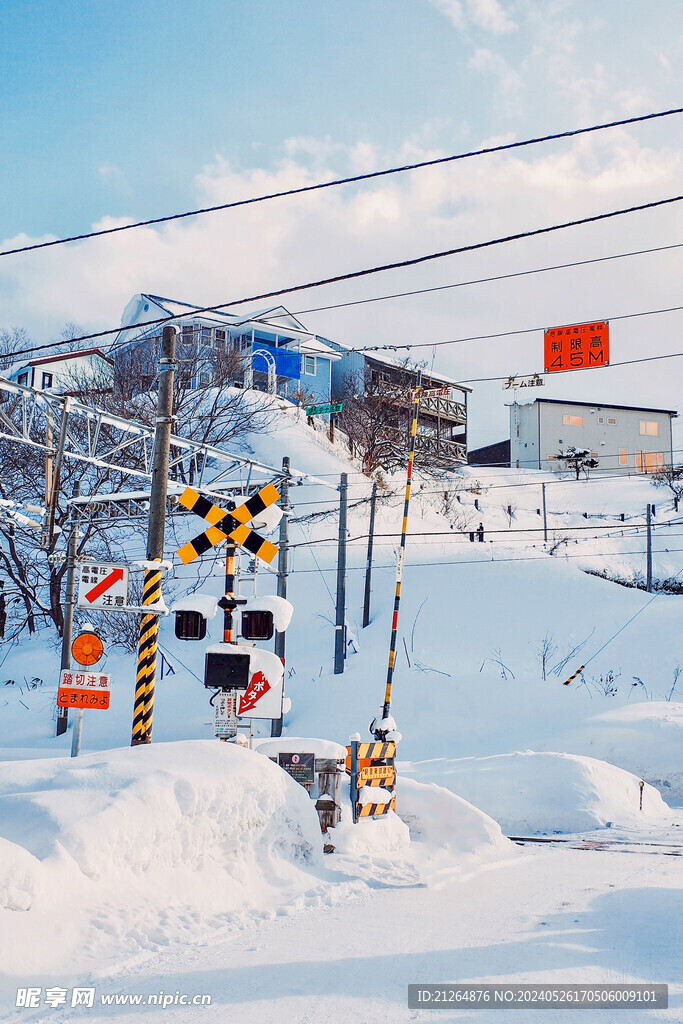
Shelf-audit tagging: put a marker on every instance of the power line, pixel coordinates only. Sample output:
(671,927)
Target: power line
(342,181)
(354,275)
(509,334)
(497,561)
(480,280)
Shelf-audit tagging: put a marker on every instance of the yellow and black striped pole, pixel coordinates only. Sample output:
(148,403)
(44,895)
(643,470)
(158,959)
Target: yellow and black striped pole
(574,675)
(143,708)
(401,554)
(151,595)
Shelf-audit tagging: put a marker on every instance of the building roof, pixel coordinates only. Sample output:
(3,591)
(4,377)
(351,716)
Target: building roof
(69,355)
(598,405)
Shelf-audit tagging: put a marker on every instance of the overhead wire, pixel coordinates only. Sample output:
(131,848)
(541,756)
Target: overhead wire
(366,272)
(350,179)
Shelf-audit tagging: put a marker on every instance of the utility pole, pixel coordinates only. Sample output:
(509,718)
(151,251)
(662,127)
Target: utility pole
(282,566)
(648,585)
(379,731)
(545,517)
(339,637)
(368,564)
(53,472)
(151,593)
(69,602)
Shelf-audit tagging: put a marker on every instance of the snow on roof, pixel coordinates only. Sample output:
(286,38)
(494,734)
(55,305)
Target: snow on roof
(63,356)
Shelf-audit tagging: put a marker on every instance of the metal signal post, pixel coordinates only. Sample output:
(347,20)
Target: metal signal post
(151,594)
(378,731)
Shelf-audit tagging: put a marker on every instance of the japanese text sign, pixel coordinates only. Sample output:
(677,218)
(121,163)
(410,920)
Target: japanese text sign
(103,586)
(577,347)
(83,689)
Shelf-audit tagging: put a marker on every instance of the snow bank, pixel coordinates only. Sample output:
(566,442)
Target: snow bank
(440,818)
(301,745)
(370,836)
(645,738)
(95,852)
(546,793)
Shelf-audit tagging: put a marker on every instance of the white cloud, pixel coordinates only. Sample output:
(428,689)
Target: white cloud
(493,63)
(491,16)
(243,252)
(452,9)
(485,14)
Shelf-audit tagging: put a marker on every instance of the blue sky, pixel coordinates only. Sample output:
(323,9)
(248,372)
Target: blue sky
(113,112)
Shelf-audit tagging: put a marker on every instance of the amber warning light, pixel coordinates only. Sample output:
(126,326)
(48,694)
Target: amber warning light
(577,347)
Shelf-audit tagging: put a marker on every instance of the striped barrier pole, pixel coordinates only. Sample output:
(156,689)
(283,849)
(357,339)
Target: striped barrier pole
(143,707)
(574,675)
(401,554)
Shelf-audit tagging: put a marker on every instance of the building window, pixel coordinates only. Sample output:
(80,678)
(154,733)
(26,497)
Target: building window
(23,379)
(47,380)
(649,427)
(649,462)
(573,421)
(611,420)
(220,337)
(623,457)
(308,365)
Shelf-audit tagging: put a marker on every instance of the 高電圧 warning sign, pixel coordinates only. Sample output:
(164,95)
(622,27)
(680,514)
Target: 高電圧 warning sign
(577,347)
(103,586)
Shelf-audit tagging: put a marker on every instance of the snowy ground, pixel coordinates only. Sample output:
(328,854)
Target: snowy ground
(167,869)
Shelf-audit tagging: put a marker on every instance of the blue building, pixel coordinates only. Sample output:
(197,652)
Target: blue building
(441,438)
(268,349)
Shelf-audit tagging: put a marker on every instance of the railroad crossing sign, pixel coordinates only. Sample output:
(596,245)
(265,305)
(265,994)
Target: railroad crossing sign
(228,525)
(83,689)
(103,585)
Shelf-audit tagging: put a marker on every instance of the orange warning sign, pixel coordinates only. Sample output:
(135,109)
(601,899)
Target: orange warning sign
(72,698)
(577,347)
(87,648)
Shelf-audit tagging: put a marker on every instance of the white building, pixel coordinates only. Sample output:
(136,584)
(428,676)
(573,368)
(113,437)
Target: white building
(620,437)
(68,372)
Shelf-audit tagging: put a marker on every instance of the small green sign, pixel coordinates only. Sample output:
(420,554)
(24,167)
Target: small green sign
(321,410)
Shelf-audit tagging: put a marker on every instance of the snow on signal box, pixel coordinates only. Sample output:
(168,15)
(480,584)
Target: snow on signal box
(577,347)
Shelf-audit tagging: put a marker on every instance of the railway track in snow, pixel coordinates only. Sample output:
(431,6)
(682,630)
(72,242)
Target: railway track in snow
(661,848)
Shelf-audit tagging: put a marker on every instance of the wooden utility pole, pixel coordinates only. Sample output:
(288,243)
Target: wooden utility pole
(282,573)
(151,593)
(340,630)
(368,564)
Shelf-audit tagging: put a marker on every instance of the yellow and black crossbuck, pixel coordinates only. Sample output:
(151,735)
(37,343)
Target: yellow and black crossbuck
(228,525)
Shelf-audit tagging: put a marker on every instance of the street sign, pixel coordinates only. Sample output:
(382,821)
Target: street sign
(322,410)
(87,649)
(83,689)
(224,717)
(228,525)
(300,766)
(533,381)
(435,393)
(577,347)
(104,586)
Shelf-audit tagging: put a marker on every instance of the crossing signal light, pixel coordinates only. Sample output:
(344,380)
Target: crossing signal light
(256,624)
(190,625)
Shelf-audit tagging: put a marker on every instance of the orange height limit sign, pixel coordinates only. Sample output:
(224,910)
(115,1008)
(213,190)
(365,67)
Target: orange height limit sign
(578,347)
